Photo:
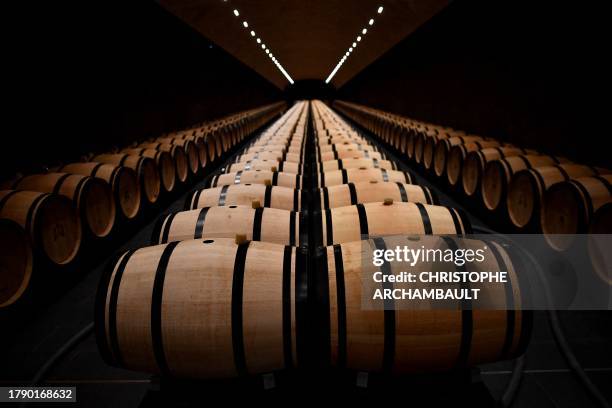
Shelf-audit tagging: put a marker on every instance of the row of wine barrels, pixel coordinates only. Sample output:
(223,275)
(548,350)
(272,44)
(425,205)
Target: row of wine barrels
(204,308)
(92,197)
(527,188)
(449,163)
(405,341)
(506,180)
(148,176)
(246,298)
(43,216)
(569,208)
(165,165)
(122,180)
(16,261)
(178,154)
(189,147)
(50,220)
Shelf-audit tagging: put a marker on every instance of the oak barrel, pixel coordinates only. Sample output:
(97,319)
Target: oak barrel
(50,220)
(352,223)
(355,163)
(274,178)
(414,341)
(368,192)
(344,176)
(203,308)
(283,198)
(256,224)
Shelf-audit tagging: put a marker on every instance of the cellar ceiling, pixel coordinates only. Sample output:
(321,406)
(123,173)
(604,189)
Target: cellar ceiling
(307,37)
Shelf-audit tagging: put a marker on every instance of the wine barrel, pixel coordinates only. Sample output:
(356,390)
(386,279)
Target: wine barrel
(123,181)
(451,161)
(498,173)
(272,165)
(598,248)
(344,176)
(273,178)
(350,154)
(16,262)
(256,224)
(415,341)
(527,187)
(165,165)
(144,167)
(266,148)
(272,155)
(240,312)
(325,148)
(355,163)
(476,161)
(50,220)
(352,223)
(283,198)
(92,197)
(178,155)
(371,192)
(569,206)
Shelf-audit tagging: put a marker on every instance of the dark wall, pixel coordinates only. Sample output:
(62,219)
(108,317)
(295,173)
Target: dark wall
(85,77)
(532,72)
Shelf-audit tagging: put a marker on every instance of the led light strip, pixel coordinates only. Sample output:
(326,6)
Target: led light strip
(364,31)
(267,50)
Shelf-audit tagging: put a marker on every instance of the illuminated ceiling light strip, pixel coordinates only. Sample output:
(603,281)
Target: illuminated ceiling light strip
(351,49)
(245,24)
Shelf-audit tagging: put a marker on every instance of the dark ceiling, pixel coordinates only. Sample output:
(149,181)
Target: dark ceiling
(307,37)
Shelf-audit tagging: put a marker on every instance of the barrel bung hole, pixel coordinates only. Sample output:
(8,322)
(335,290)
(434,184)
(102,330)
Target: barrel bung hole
(208,241)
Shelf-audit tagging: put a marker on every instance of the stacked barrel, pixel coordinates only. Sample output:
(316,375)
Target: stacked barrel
(362,195)
(221,290)
(53,213)
(226,290)
(531,191)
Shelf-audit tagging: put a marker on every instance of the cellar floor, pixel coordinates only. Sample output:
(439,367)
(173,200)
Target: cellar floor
(547,381)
